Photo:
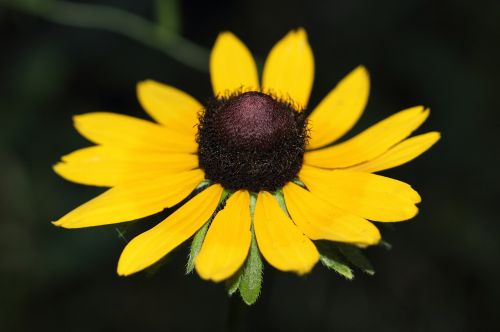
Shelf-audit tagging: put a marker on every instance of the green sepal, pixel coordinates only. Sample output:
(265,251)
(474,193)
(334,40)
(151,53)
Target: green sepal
(331,257)
(280,198)
(203,184)
(196,246)
(251,274)
(233,283)
(355,256)
(200,236)
(299,183)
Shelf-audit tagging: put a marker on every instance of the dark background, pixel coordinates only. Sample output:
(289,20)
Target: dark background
(443,271)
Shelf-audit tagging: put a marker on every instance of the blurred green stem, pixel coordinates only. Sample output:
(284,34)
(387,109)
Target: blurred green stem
(121,22)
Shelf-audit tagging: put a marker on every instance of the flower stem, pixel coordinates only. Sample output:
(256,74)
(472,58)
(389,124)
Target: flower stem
(119,21)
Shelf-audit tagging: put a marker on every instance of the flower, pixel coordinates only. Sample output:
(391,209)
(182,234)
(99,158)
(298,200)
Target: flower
(258,170)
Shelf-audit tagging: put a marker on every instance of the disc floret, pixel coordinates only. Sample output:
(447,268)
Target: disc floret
(251,141)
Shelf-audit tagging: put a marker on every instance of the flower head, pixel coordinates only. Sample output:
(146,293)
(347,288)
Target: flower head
(260,174)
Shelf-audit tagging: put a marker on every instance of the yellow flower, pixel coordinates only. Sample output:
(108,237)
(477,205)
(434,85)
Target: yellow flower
(270,174)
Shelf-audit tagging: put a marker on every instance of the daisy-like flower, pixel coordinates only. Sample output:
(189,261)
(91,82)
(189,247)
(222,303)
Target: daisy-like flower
(259,174)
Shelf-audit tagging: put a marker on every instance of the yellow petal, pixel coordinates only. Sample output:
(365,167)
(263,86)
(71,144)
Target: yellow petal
(128,132)
(169,106)
(133,200)
(232,66)
(371,143)
(367,195)
(151,246)
(281,243)
(322,221)
(289,68)
(111,166)
(400,154)
(340,109)
(228,239)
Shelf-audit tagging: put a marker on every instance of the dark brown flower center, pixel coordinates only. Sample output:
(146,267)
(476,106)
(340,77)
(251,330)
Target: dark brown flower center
(251,141)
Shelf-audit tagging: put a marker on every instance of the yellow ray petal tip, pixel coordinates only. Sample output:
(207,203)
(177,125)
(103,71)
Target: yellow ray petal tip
(435,136)
(142,84)
(225,35)
(124,270)
(57,167)
(362,71)
(121,272)
(300,31)
(76,119)
(57,223)
(299,35)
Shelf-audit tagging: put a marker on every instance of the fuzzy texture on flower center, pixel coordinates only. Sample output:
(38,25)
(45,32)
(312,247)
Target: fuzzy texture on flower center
(251,141)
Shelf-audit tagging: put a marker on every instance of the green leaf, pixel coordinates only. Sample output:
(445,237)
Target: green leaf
(200,236)
(354,255)
(251,276)
(331,258)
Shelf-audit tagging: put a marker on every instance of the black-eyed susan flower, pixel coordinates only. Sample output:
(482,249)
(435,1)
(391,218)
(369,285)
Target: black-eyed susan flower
(263,175)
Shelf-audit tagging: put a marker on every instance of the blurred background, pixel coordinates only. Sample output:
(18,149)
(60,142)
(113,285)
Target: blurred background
(59,59)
